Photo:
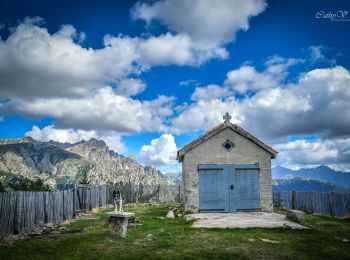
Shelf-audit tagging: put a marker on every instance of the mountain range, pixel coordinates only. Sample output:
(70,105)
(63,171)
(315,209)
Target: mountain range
(304,184)
(57,163)
(321,173)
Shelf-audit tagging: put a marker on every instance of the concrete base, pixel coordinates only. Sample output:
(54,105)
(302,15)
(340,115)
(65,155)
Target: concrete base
(242,220)
(118,223)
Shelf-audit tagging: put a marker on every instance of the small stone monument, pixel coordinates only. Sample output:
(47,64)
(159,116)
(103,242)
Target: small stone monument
(118,219)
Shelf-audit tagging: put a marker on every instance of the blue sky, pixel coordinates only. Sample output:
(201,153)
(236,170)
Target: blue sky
(148,77)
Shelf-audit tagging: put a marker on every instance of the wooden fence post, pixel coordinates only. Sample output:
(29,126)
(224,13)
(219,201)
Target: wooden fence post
(18,213)
(293,199)
(330,204)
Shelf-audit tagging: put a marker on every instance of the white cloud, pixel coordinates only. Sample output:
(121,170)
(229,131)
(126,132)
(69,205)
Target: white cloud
(34,63)
(247,78)
(330,152)
(205,114)
(316,55)
(166,49)
(102,110)
(318,103)
(130,87)
(177,49)
(205,22)
(111,138)
(201,27)
(211,91)
(161,151)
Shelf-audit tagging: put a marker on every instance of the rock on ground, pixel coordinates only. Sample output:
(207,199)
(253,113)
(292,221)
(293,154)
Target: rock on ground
(296,216)
(170,214)
(270,241)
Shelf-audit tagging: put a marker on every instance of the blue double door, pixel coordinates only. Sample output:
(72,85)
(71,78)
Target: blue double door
(228,187)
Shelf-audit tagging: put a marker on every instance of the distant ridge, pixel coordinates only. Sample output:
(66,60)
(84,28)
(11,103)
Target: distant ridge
(304,184)
(321,172)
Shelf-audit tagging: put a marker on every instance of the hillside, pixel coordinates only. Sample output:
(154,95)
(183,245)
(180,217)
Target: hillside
(57,163)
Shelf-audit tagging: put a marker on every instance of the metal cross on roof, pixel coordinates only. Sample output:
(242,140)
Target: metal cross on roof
(227,118)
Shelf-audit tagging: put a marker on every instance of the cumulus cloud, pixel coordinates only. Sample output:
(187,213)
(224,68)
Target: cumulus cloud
(312,153)
(212,91)
(176,49)
(206,22)
(112,139)
(130,87)
(318,103)
(201,27)
(161,151)
(205,114)
(166,49)
(34,63)
(247,78)
(102,110)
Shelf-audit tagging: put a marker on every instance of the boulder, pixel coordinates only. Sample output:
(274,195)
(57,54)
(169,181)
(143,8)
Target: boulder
(296,216)
(170,214)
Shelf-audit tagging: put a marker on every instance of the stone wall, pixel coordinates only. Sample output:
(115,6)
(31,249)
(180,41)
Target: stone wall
(212,152)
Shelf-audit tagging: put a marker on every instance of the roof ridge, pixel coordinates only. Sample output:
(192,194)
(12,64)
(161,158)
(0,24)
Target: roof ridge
(208,134)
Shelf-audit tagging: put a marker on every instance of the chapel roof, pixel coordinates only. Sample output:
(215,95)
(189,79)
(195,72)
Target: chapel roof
(227,124)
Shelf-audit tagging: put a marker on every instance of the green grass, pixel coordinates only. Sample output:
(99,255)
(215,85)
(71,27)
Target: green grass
(175,239)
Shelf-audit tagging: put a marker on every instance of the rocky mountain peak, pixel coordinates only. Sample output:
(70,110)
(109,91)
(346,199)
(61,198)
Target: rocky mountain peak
(67,163)
(22,140)
(90,148)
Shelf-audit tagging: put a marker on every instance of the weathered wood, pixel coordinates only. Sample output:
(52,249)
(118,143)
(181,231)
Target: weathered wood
(331,204)
(18,213)
(23,211)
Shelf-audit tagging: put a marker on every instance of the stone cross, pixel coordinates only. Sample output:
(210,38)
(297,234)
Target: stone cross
(227,118)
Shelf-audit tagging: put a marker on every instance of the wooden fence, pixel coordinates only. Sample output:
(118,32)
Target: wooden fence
(23,211)
(335,204)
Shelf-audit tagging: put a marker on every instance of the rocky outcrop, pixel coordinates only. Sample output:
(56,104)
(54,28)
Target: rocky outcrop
(55,164)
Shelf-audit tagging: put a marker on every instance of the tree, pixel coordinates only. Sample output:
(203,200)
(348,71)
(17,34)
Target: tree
(84,179)
(29,185)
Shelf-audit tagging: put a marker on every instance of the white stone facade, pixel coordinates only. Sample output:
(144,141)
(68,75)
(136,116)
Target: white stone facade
(211,151)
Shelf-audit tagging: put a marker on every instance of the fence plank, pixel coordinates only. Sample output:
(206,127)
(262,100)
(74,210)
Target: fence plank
(331,203)
(23,211)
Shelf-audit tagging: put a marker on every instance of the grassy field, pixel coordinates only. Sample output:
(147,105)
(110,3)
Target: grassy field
(175,239)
